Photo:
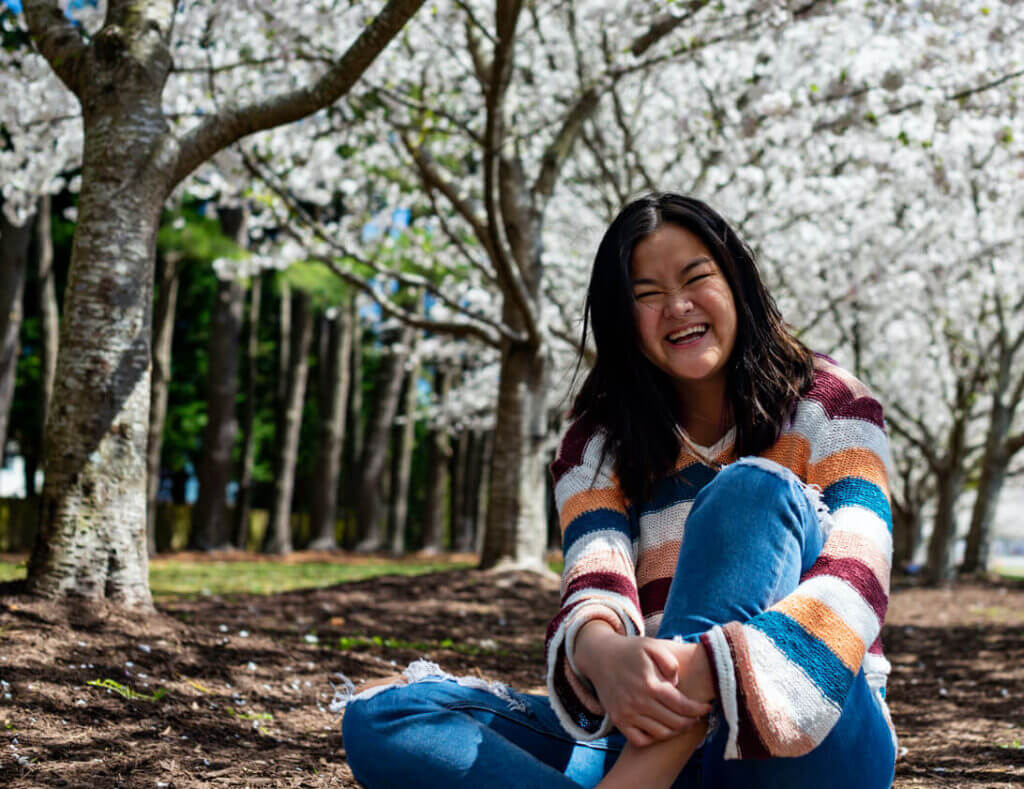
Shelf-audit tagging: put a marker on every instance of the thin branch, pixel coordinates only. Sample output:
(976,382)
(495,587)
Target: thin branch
(410,280)
(233,123)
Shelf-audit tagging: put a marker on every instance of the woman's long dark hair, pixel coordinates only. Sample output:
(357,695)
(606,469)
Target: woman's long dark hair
(635,402)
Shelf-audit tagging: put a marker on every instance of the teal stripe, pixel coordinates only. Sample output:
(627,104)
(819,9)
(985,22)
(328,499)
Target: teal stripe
(856,491)
(818,661)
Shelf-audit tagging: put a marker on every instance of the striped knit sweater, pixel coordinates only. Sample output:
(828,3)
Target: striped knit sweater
(783,676)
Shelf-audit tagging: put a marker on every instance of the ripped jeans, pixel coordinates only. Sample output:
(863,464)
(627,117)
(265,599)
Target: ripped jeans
(750,534)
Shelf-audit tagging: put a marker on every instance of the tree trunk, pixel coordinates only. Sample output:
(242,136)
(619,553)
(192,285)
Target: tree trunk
(49,315)
(516,526)
(354,431)
(457,515)
(439,452)
(210,528)
(483,455)
(279,538)
(906,533)
(374,458)
(243,501)
(14,251)
(994,465)
(402,469)
(334,406)
(92,538)
(163,333)
(940,547)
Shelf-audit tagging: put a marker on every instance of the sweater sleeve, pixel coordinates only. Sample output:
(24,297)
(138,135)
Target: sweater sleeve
(784,675)
(598,581)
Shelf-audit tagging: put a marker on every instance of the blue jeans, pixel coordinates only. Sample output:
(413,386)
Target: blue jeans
(750,535)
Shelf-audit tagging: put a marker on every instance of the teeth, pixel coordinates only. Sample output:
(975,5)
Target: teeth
(681,335)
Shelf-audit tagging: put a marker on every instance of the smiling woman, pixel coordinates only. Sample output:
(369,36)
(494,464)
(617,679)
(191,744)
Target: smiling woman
(726,534)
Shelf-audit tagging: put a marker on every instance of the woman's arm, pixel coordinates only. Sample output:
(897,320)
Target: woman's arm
(601,610)
(783,676)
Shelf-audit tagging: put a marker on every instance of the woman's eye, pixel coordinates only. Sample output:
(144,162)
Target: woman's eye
(647,294)
(697,278)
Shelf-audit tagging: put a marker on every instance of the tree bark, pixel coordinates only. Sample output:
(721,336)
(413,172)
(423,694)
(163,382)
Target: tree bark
(15,242)
(49,315)
(439,452)
(402,468)
(163,334)
(950,482)
(516,526)
(279,538)
(334,406)
(210,529)
(373,461)
(457,511)
(243,502)
(354,431)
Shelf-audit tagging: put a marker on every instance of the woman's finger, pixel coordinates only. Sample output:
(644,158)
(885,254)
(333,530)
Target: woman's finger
(678,702)
(636,737)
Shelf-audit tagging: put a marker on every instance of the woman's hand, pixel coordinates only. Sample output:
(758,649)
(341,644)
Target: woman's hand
(636,680)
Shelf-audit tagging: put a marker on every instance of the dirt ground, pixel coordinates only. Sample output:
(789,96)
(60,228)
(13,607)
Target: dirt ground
(237,691)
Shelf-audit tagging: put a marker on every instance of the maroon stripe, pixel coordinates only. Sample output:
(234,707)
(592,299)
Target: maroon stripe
(859,575)
(653,595)
(583,717)
(876,646)
(574,443)
(748,738)
(838,401)
(558,619)
(603,582)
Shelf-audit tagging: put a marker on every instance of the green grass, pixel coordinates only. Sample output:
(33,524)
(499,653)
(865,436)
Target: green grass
(176,577)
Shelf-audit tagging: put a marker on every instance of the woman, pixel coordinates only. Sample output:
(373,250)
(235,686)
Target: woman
(720,488)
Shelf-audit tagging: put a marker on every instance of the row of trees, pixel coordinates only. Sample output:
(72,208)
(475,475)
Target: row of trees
(866,149)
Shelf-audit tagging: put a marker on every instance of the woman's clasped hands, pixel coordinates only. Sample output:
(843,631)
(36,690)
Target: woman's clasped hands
(651,688)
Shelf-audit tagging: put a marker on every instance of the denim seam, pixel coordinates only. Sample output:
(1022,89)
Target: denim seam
(459,706)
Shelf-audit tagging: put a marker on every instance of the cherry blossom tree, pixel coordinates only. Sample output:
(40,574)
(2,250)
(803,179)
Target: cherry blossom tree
(139,142)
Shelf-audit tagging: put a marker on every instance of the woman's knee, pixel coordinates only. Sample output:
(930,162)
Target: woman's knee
(753,490)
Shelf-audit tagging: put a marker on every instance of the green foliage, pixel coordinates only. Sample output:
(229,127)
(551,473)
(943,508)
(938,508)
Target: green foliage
(360,642)
(249,716)
(174,577)
(325,288)
(126,692)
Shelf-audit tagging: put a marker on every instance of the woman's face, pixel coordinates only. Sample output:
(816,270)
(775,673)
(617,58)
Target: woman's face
(683,308)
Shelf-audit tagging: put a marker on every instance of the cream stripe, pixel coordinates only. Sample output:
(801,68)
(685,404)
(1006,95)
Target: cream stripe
(846,601)
(789,693)
(866,523)
(601,542)
(726,687)
(581,477)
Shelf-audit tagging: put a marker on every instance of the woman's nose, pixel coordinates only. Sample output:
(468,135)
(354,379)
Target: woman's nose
(677,303)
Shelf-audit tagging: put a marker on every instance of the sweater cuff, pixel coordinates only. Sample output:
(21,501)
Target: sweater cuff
(724,673)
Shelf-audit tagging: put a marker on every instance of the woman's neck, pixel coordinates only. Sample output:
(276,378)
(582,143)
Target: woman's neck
(705,413)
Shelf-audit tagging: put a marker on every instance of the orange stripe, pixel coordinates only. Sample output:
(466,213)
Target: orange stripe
(825,624)
(658,562)
(854,462)
(590,500)
(792,450)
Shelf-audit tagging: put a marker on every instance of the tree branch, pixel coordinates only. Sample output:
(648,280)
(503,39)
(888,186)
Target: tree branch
(57,40)
(233,123)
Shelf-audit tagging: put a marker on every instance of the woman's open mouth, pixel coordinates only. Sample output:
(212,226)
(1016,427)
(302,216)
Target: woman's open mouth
(688,336)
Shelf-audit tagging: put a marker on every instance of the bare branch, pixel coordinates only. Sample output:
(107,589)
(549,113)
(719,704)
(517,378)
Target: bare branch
(233,123)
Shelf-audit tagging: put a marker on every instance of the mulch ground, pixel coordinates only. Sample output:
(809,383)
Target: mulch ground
(236,692)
